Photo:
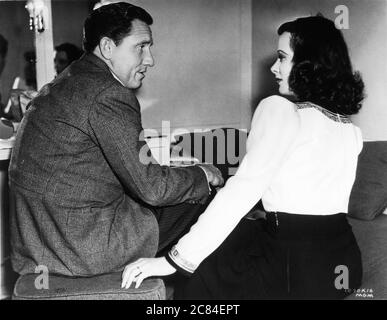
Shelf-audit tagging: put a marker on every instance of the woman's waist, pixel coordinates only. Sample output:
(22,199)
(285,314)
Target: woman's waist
(306,226)
(302,203)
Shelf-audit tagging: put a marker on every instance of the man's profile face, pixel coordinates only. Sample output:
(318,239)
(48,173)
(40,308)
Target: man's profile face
(61,61)
(130,59)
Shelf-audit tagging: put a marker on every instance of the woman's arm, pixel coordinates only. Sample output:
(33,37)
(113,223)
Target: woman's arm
(274,128)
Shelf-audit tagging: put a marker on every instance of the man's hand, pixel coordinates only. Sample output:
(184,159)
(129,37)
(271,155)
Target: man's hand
(214,175)
(144,268)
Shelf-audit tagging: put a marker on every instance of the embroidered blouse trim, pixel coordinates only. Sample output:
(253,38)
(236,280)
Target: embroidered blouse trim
(333,116)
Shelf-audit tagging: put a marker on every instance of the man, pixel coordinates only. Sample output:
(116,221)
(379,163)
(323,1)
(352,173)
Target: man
(65,54)
(85,203)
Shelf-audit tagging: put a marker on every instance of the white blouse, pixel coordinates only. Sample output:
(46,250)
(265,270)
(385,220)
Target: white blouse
(300,159)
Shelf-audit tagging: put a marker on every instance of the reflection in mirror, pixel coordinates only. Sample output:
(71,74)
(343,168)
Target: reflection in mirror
(19,60)
(68,17)
(20,72)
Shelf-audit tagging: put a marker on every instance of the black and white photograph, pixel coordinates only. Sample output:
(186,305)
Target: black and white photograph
(219,151)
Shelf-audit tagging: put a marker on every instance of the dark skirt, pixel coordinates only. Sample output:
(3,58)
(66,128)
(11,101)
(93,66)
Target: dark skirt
(284,256)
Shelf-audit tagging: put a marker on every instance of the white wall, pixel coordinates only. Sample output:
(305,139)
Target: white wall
(196,81)
(366,39)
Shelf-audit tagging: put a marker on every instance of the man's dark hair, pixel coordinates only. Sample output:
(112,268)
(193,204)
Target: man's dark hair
(322,70)
(113,21)
(72,51)
(3,46)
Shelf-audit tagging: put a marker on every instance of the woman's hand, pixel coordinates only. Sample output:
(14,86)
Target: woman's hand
(144,268)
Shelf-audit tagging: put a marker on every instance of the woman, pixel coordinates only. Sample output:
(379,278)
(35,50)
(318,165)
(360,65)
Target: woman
(301,161)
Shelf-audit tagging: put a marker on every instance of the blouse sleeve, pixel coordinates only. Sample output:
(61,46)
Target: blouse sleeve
(274,128)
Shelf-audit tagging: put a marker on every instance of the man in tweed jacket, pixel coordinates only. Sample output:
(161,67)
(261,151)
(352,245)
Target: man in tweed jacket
(84,202)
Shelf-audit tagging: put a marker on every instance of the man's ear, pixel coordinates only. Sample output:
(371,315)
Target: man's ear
(106,47)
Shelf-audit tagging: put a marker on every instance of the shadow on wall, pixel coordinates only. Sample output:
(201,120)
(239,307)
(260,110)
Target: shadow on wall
(265,79)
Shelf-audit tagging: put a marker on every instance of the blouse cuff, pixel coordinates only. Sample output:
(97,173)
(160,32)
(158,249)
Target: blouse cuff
(181,265)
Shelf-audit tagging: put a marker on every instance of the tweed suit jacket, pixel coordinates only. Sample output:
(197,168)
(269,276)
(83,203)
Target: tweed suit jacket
(82,196)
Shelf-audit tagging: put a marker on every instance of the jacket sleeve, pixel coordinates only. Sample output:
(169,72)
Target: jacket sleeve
(115,121)
(274,128)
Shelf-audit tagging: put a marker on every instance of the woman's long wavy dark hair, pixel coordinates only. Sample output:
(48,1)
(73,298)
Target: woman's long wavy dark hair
(322,71)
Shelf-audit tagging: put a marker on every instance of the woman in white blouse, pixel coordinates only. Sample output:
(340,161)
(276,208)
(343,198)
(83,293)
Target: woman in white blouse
(301,162)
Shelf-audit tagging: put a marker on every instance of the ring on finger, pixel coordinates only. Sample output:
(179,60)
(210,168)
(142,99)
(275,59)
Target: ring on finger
(139,270)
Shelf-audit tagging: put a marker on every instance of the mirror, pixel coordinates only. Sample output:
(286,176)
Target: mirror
(19,58)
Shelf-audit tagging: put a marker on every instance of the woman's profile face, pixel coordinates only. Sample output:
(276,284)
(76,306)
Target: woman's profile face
(283,65)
